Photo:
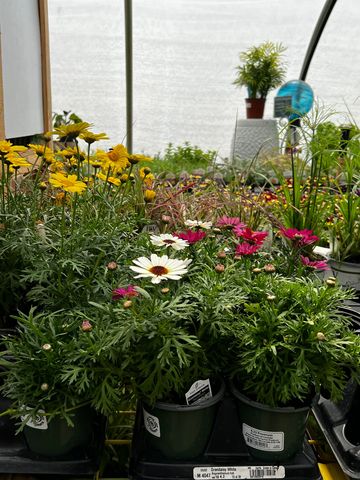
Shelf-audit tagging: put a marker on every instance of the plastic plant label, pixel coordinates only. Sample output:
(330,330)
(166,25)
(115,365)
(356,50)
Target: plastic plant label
(151,424)
(263,440)
(39,421)
(236,473)
(198,392)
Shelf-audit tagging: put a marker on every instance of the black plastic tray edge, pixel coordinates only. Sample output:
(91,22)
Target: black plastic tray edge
(333,444)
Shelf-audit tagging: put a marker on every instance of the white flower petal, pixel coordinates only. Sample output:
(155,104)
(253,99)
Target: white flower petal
(157,279)
(139,269)
(142,262)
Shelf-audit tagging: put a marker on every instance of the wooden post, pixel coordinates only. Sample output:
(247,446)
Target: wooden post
(45,64)
(2,119)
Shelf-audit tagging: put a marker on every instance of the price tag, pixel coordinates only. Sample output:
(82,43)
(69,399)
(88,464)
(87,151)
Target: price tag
(262,439)
(198,392)
(151,423)
(238,473)
(38,422)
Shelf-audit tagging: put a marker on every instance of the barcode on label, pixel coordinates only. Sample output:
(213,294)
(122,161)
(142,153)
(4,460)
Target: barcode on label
(251,441)
(263,472)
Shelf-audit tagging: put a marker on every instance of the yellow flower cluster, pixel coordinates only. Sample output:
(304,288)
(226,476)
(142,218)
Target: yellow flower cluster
(74,170)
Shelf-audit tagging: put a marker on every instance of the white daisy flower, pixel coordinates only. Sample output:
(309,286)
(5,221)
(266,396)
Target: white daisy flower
(198,224)
(168,240)
(160,268)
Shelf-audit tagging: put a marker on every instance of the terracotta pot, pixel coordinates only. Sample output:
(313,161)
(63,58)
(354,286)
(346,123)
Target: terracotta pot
(255,107)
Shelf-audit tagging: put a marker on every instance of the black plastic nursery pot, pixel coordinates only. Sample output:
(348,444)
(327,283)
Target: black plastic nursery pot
(347,273)
(56,438)
(271,433)
(181,431)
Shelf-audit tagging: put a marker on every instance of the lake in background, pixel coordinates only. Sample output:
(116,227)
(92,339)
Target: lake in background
(185,54)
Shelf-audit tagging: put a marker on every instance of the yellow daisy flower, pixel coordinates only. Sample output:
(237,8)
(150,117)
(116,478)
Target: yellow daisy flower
(68,183)
(7,147)
(56,166)
(67,152)
(39,149)
(90,137)
(71,131)
(17,162)
(149,196)
(113,180)
(117,158)
(136,158)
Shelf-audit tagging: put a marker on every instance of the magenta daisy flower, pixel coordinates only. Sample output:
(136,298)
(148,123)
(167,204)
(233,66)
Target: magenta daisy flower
(246,249)
(320,265)
(229,222)
(126,292)
(254,238)
(300,237)
(191,236)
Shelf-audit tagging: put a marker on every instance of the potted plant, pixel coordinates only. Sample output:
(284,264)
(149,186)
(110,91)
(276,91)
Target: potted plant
(59,379)
(288,343)
(172,324)
(261,70)
(344,224)
(166,327)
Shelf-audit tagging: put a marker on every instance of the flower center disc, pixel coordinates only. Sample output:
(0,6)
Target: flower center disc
(159,270)
(169,242)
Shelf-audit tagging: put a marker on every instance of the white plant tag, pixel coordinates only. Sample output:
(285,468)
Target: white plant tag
(39,421)
(236,473)
(198,392)
(151,423)
(262,439)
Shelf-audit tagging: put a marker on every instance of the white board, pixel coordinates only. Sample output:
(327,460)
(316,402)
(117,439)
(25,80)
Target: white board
(21,67)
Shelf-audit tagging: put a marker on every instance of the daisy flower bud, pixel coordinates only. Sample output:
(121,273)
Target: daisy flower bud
(330,283)
(44,387)
(270,297)
(86,326)
(46,347)
(111,266)
(257,270)
(165,290)
(127,304)
(166,218)
(320,336)
(270,268)
(219,268)
(221,254)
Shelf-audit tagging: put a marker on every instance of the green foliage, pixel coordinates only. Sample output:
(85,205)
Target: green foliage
(290,341)
(261,69)
(177,159)
(53,364)
(65,118)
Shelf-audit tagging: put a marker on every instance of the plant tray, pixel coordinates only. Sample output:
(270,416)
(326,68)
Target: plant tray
(226,456)
(16,458)
(340,423)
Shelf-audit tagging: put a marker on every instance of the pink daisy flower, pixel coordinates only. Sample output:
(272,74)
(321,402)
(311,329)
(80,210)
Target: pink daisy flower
(301,237)
(246,249)
(191,236)
(229,222)
(254,238)
(126,292)
(320,265)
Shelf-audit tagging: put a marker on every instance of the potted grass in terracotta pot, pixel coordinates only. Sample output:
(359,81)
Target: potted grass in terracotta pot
(260,71)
